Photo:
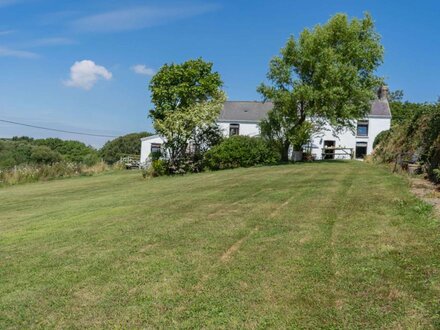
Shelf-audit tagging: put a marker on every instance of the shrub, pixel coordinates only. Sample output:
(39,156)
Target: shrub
(415,140)
(71,151)
(122,146)
(380,137)
(22,150)
(91,159)
(158,167)
(44,155)
(240,151)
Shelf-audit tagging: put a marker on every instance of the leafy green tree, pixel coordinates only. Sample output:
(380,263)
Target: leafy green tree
(71,150)
(395,96)
(14,152)
(326,76)
(403,111)
(180,86)
(45,155)
(21,150)
(187,98)
(22,138)
(127,145)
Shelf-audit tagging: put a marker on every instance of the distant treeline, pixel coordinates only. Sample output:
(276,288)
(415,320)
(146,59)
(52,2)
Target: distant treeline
(25,150)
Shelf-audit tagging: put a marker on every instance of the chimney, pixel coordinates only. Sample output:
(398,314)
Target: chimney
(382,93)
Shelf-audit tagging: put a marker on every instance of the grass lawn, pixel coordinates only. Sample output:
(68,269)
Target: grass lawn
(319,245)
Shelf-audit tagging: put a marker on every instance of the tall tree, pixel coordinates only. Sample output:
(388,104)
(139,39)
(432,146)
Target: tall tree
(187,98)
(126,145)
(326,76)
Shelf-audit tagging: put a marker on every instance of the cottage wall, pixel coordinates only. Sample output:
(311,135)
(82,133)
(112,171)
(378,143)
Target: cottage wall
(249,129)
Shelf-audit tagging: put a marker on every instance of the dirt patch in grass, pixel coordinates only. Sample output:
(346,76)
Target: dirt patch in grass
(278,209)
(427,191)
(228,254)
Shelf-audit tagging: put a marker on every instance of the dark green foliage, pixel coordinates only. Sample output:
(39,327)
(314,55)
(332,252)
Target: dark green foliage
(159,167)
(325,75)
(72,151)
(91,159)
(187,99)
(25,150)
(404,111)
(179,86)
(240,151)
(380,137)
(22,138)
(205,139)
(14,152)
(416,138)
(127,145)
(44,155)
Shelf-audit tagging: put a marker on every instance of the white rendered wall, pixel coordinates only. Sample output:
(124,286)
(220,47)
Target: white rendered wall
(377,125)
(345,139)
(249,129)
(146,146)
(348,139)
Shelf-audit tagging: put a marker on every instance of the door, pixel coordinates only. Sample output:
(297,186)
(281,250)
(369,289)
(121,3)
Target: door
(361,150)
(329,153)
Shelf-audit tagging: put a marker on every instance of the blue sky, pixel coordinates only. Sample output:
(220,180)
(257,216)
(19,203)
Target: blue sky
(85,65)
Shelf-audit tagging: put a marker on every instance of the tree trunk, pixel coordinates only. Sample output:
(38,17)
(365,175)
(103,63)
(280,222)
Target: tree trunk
(285,152)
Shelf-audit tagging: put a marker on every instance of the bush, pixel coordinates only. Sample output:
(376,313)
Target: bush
(127,145)
(240,151)
(44,155)
(71,151)
(158,167)
(380,137)
(24,150)
(90,159)
(415,140)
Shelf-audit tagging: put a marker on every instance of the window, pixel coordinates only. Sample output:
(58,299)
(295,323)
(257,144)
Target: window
(361,149)
(155,147)
(234,129)
(362,128)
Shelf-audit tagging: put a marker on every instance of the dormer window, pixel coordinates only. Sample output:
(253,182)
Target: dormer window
(362,128)
(234,129)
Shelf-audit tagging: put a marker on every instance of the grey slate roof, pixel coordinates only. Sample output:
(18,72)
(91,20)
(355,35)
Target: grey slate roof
(243,111)
(254,111)
(380,108)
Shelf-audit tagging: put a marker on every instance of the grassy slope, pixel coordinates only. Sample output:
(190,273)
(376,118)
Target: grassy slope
(313,245)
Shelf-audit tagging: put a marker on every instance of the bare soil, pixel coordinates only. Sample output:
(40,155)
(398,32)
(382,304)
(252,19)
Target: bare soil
(427,191)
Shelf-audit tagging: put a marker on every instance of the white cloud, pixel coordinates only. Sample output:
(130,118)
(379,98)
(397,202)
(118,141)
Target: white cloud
(84,74)
(8,52)
(142,69)
(138,17)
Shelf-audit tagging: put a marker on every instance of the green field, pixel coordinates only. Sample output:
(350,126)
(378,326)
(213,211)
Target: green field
(319,245)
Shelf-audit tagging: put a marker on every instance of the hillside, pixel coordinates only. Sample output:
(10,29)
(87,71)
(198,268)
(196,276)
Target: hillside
(330,244)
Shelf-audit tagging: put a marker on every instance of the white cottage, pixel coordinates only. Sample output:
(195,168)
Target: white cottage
(242,118)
